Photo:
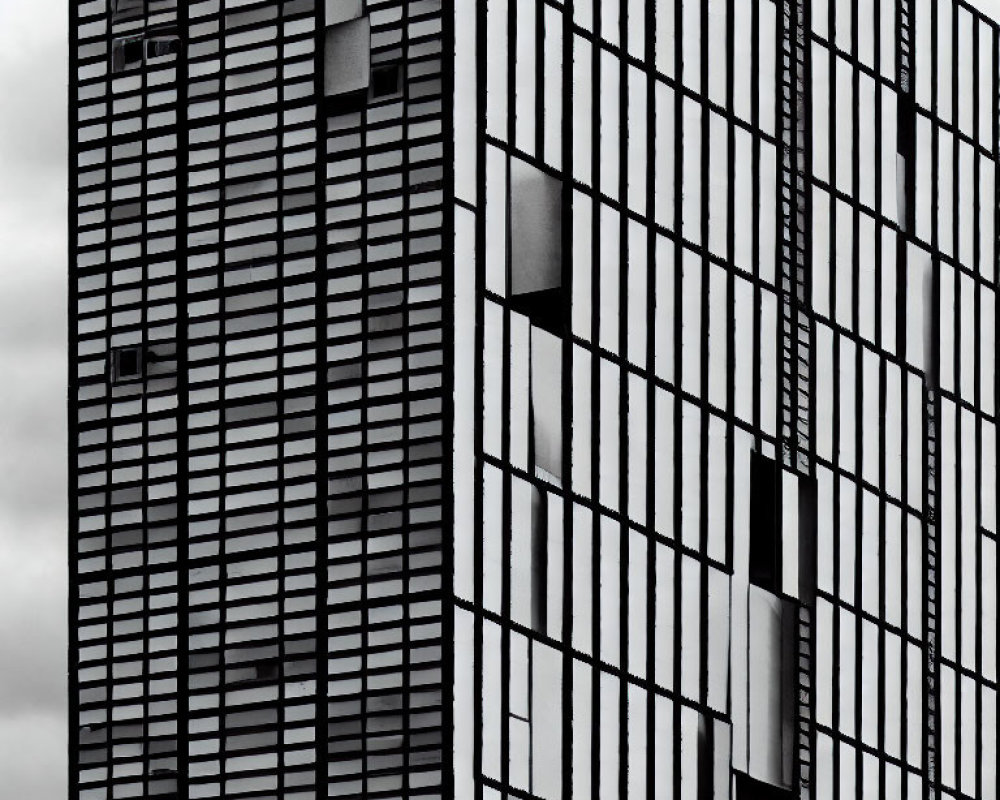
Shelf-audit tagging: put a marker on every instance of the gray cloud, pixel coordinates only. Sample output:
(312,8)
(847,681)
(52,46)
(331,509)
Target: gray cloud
(33,756)
(33,91)
(33,663)
(32,399)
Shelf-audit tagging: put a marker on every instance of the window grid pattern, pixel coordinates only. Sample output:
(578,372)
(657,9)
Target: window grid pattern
(666,127)
(257,592)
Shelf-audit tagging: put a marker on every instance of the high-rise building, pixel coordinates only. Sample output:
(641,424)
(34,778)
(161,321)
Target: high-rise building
(536,399)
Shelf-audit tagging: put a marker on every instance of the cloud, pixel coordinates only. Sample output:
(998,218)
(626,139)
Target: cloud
(33,580)
(33,626)
(33,92)
(33,756)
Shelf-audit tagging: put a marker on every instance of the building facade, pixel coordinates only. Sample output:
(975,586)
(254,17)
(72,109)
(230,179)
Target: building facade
(535,399)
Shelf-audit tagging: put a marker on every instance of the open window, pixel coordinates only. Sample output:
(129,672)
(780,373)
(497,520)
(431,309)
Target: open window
(534,717)
(347,73)
(161,44)
(545,420)
(386,81)
(779,559)
(782,540)
(765,534)
(536,285)
(126,53)
(129,52)
(545,457)
(128,364)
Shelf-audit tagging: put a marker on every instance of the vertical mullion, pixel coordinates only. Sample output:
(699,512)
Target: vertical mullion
(322,509)
(505,405)
(568,357)
(652,745)
(594,356)
(676,400)
(478,405)
(622,376)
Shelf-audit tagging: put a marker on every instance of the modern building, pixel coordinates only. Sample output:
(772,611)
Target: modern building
(536,399)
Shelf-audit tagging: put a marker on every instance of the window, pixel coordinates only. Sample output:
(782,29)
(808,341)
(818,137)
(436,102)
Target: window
(127,364)
(749,789)
(124,10)
(162,43)
(126,53)
(536,245)
(765,536)
(266,670)
(545,444)
(385,80)
(347,65)
(126,210)
(906,169)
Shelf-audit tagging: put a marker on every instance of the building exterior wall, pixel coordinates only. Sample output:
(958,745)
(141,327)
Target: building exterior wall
(607,409)
(257,524)
(778,286)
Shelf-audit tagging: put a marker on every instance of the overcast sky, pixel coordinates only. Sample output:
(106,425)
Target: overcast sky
(32,399)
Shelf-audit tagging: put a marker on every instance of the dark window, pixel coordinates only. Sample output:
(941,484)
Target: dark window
(906,169)
(539,558)
(385,80)
(266,670)
(127,364)
(129,209)
(749,789)
(126,53)
(765,535)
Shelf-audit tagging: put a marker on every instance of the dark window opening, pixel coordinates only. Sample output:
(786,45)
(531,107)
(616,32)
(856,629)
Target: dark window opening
(350,103)
(765,534)
(808,522)
(748,788)
(906,168)
(539,559)
(127,364)
(126,53)
(385,80)
(706,759)
(544,308)
(266,670)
